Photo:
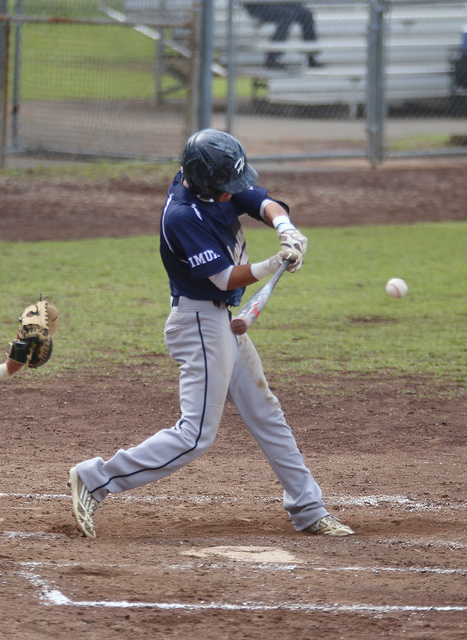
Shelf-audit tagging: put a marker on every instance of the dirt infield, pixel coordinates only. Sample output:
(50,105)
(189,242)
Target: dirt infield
(319,195)
(209,553)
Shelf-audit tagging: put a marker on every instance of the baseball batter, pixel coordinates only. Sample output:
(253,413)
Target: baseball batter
(204,253)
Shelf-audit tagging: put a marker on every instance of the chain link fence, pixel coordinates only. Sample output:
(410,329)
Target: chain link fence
(338,78)
(84,80)
(125,78)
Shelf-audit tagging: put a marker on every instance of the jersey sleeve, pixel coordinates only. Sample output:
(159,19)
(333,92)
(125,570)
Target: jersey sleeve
(190,239)
(250,201)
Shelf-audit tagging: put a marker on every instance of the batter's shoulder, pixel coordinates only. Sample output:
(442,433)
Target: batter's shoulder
(183,215)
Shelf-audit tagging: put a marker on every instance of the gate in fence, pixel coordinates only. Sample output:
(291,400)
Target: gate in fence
(374,79)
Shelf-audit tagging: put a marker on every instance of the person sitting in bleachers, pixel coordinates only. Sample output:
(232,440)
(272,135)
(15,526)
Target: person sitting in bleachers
(284,15)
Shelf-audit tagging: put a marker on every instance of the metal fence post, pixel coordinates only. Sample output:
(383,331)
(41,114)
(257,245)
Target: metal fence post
(207,37)
(376,104)
(17,76)
(4,33)
(231,65)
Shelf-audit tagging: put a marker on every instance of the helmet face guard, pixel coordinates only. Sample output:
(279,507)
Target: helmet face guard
(214,161)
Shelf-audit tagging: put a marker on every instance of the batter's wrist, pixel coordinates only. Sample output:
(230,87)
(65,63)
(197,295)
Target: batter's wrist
(282,223)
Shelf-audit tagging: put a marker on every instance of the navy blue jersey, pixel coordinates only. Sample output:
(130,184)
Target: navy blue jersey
(200,239)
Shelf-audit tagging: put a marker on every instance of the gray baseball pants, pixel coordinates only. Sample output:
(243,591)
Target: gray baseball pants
(214,365)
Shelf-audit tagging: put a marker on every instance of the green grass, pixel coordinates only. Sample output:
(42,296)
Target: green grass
(83,62)
(332,316)
(63,8)
(343,320)
(64,62)
(93,62)
(420,142)
(140,172)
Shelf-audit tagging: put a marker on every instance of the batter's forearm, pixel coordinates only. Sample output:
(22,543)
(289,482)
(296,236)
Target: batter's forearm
(241,276)
(273,210)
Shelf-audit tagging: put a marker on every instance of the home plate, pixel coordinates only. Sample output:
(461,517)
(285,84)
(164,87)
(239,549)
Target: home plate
(245,554)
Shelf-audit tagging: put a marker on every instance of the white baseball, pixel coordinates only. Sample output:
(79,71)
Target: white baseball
(397,288)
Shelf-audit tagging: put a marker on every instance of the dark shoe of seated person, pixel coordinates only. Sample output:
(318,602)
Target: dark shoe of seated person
(272,62)
(312,62)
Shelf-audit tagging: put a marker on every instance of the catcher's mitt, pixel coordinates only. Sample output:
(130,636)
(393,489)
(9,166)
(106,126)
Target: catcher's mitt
(33,344)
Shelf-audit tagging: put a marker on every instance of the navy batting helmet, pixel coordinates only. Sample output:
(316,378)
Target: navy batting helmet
(215,162)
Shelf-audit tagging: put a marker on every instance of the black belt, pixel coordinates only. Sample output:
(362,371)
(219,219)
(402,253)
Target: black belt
(216,303)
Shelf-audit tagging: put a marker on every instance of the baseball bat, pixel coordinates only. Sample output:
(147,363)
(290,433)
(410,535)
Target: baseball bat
(253,307)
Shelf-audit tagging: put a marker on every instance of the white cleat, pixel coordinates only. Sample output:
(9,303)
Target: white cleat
(84,505)
(329,526)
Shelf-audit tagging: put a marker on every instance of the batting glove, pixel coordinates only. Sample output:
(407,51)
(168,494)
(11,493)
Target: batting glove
(295,257)
(291,240)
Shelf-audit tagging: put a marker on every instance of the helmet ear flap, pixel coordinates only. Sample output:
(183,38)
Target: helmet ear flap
(196,189)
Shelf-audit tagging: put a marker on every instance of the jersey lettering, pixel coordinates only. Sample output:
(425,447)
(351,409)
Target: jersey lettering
(238,251)
(202,258)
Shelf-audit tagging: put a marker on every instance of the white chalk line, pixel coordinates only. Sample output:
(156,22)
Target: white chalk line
(356,569)
(51,596)
(402,501)
(449,544)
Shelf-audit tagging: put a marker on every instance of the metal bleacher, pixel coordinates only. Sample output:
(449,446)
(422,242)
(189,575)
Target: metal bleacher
(420,38)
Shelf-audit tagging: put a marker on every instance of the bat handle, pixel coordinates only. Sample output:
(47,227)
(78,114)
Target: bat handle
(285,265)
(282,269)
(249,312)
